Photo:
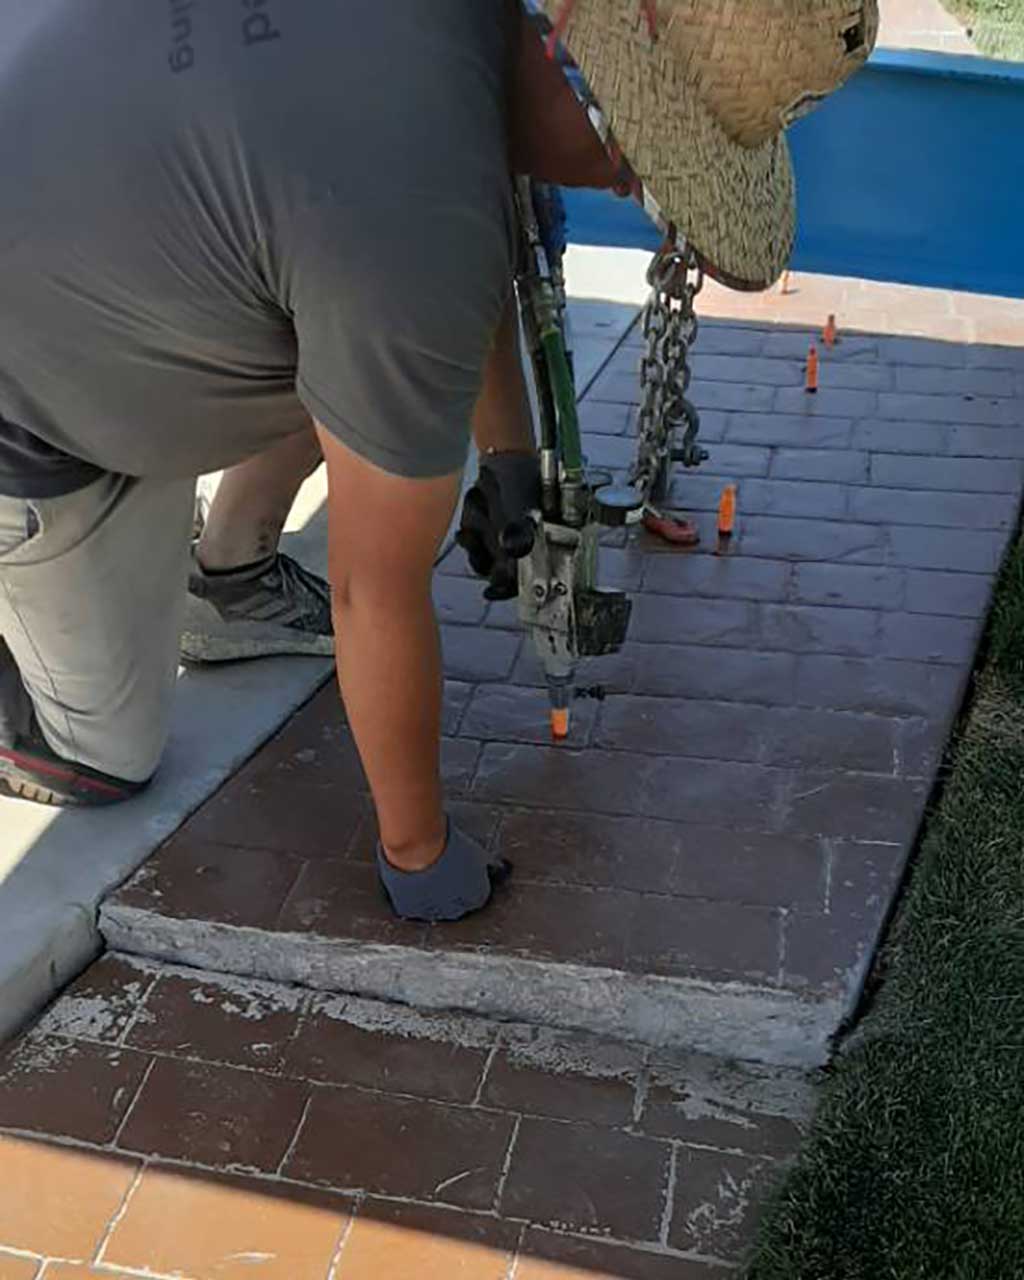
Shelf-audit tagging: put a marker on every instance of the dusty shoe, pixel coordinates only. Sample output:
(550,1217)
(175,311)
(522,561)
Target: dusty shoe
(272,607)
(31,771)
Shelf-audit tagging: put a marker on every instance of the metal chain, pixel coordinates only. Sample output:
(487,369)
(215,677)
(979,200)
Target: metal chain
(670,328)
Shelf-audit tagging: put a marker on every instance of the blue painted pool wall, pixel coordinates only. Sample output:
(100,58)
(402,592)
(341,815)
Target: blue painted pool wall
(913,173)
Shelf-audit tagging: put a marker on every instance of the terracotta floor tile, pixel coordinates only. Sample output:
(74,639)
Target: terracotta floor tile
(14,1268)
(214,1115)
(231,1229)
(581,1178)
(396,1146)
(231,1021)
(68,1088)
(56,1200)
(333,1049)
(410,1242)
(72,1271)
(547,1256)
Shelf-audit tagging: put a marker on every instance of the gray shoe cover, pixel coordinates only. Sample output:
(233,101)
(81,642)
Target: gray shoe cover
(458,883)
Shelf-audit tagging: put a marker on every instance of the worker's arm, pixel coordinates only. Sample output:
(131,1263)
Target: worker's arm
(383,536)
(550,136)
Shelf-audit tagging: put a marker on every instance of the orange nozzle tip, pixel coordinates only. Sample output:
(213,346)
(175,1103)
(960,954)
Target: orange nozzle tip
(560,722)
(727,511)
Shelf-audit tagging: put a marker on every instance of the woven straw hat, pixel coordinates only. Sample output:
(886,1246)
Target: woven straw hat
(698,94)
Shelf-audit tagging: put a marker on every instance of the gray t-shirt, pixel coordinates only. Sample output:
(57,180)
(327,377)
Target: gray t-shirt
(221,215)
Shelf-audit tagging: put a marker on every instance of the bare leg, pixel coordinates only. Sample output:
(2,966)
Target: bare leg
(253,501)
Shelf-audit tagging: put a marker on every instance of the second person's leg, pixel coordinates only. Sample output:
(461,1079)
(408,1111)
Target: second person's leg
(253,501)
(247,599)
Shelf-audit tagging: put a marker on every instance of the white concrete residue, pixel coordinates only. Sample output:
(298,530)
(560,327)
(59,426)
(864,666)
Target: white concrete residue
(728,1211)
(247,998)
(459,1177)
(88,1017)
(460,1030)
(36,1055)
(560,1052)
(737,1093)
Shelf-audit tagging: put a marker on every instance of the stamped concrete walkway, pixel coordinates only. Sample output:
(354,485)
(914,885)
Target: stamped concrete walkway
(164,1123)
(709,860)
(732,821)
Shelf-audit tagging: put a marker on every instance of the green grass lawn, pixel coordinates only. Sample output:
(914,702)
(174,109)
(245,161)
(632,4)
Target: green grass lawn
(997,26)
(915,1167)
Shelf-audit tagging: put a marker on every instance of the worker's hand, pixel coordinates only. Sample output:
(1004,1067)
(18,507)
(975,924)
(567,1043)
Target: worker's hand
(496,529)
(458,883)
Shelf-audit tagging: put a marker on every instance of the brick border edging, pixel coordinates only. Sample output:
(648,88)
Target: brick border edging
(732,1020)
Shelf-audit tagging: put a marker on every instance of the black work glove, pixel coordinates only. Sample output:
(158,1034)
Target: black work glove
(495,530)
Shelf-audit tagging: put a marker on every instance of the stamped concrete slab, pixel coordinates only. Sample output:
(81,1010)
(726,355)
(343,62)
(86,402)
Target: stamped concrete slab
(711,859)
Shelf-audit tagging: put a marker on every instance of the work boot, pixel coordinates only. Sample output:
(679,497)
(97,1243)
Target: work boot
(30,769)
(272,607)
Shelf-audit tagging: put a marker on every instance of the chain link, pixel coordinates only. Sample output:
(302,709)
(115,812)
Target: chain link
(670,328)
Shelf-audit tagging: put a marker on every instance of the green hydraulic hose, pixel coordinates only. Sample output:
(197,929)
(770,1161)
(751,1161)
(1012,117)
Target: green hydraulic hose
(565,401)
